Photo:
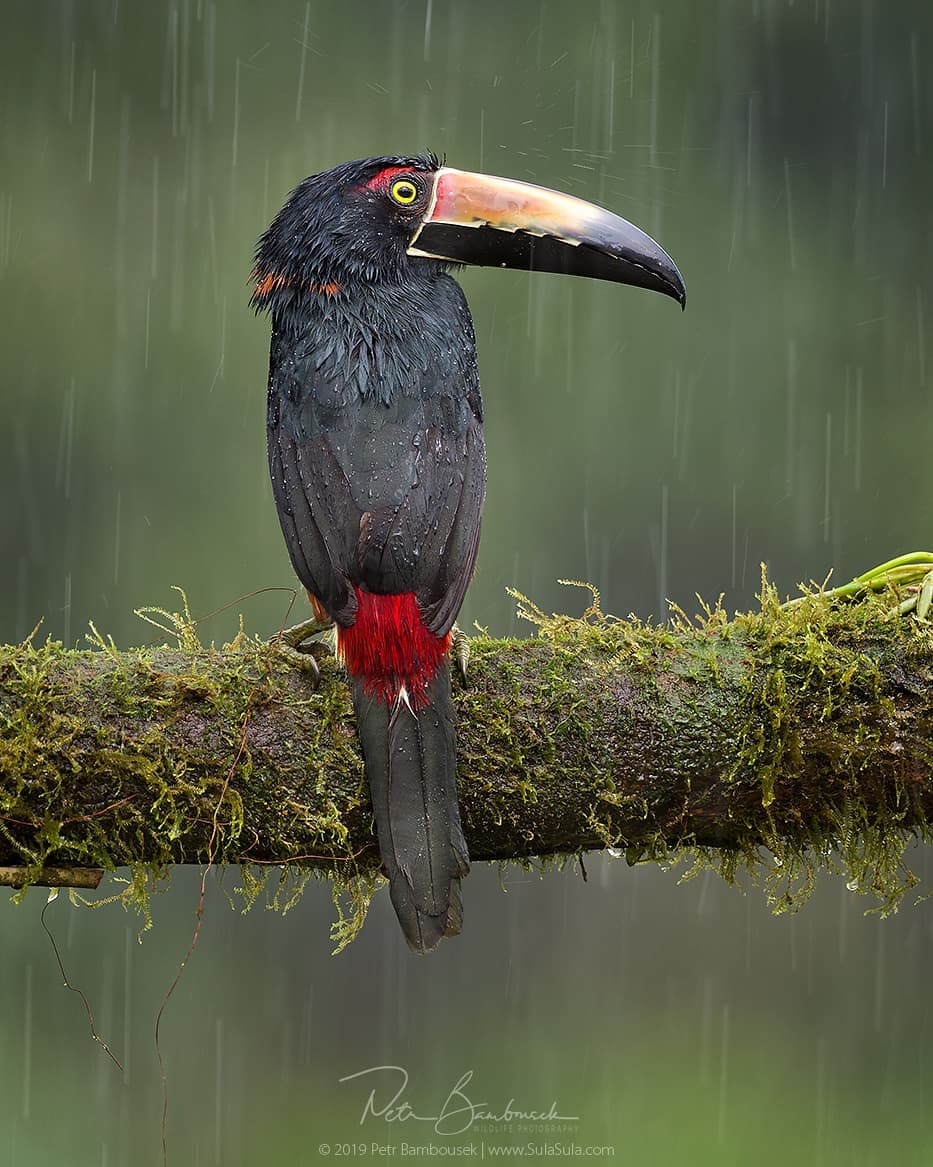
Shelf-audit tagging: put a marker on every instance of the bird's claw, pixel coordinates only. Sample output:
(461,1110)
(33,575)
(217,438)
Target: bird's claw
(290,643)
(460,650)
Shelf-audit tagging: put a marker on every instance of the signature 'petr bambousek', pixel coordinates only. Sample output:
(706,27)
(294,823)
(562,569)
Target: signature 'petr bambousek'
(375,428)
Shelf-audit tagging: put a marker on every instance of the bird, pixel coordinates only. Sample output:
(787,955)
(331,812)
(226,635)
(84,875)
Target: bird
(377,456)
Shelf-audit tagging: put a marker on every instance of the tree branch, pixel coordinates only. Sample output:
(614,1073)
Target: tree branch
(806,730)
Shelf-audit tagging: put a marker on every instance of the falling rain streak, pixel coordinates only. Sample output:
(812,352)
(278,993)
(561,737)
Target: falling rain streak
(27,1017)
(827,475)
(305,34)
(6,229)
(92,126)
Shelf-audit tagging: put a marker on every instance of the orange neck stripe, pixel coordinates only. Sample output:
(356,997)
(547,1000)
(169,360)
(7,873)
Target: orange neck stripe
(275,281)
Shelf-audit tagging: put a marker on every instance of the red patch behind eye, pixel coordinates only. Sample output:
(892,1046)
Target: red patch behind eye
(380,181)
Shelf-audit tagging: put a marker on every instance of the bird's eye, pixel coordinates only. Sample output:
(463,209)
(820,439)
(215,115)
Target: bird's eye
(403,191)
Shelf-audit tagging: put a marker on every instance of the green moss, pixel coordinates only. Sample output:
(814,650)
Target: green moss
(813,645)
(824,659)
(42,740)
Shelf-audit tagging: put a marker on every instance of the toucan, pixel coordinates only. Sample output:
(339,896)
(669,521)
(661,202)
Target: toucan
(376,451)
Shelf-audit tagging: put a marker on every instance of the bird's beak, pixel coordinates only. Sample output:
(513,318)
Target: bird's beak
(500,222)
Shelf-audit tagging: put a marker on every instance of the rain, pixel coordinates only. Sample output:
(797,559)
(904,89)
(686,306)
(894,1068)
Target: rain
(778,150)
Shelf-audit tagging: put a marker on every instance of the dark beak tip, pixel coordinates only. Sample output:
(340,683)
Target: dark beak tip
(673,287)
(677,289)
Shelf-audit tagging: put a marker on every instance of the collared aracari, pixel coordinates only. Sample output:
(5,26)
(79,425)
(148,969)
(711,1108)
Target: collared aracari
(375,438)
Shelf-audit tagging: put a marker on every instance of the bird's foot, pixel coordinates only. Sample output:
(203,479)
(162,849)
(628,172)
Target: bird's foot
(290,643)
(460,650)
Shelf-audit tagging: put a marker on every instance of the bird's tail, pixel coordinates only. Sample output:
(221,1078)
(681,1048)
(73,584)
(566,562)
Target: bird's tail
(410,754)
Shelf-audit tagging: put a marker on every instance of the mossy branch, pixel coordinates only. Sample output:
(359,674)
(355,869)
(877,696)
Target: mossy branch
(784,739)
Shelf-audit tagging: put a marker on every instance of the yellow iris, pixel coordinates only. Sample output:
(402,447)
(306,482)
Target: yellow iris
(404,191)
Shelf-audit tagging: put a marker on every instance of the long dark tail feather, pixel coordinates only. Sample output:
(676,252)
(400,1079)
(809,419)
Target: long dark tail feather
(411,766)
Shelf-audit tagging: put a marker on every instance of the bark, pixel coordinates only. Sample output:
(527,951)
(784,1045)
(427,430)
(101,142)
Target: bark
(804,733)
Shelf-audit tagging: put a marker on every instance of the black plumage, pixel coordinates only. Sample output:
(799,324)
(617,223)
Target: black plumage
(378,467)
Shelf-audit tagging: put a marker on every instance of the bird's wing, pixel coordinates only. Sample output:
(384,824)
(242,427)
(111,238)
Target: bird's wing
(451,491)
(316,546)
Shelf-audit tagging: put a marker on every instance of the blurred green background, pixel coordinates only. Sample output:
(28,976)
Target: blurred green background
(780,152)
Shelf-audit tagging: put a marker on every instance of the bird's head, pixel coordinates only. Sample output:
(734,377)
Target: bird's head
(381,220)
(344,227)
